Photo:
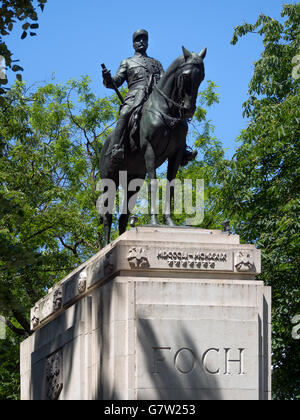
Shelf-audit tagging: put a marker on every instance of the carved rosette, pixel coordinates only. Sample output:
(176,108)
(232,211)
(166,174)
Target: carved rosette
(35,316)
(137,258)
(244,261)
(82,282)
(108,265)
(54,375)
(57,299)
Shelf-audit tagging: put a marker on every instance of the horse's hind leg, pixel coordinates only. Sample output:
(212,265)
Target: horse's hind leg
(105,207)
(173,165)
(129,203)
(153,185)
(107,222)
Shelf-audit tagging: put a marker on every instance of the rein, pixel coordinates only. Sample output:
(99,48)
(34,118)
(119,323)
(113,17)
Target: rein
(167,98)
(180,107)
(168,120)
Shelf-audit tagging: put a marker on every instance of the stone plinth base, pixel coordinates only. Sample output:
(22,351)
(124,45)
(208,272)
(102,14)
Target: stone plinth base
(161,313)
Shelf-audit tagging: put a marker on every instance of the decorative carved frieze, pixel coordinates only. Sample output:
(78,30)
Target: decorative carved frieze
(57,299)
(82,282)
(137,258)
(158,253)
(54,375)
(35,316)
(244,261)
(50,304)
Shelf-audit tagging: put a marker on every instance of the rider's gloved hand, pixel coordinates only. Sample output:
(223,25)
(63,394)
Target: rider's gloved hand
(106,77)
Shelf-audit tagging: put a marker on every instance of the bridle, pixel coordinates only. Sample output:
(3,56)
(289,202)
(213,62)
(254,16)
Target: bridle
(167,98)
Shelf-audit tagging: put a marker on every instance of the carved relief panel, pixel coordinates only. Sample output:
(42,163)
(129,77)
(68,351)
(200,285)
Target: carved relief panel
(54,375)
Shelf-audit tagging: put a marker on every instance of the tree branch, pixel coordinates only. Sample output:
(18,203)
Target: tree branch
(21,320)
(73,249)
(38,232)
(11,326)
(74,120)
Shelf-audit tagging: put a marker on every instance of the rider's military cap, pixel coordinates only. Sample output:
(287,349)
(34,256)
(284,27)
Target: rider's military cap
(139,32)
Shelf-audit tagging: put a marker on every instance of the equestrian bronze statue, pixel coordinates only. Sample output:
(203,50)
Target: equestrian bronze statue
(152,126)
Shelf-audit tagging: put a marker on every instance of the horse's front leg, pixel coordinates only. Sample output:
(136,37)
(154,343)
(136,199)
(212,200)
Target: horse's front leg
(153,184)
(128,205)
(173,165)
(107,222)
(105,207)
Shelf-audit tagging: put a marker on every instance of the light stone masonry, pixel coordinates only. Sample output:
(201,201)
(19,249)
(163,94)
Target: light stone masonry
(160,313)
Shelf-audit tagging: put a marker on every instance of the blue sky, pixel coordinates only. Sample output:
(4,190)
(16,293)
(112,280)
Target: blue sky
(75,36)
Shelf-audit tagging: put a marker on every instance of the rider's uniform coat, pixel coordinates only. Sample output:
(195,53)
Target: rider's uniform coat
(140,72)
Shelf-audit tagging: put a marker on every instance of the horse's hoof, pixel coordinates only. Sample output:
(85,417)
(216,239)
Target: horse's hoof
(154,221)
(169,222)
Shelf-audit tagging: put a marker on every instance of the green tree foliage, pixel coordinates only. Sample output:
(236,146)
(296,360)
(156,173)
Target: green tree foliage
(11,12)
(51,140)
(10,366)
(210,156)
(261,185)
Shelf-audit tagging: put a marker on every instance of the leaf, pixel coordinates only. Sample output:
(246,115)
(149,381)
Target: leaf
(24,35)
(262,190)
(17,68)
(25,26)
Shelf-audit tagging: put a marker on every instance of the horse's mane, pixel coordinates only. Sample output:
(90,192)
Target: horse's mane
(175,65)
(170,70)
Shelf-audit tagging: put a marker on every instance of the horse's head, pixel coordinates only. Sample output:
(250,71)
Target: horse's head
(189,75)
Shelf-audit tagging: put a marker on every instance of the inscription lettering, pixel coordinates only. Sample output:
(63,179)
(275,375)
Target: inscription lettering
(196,259)
(240,362)
(158,358)
(184,360)
(214,361)
(204,362)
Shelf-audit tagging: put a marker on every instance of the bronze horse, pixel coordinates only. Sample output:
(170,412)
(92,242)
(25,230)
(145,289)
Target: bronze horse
(162,136)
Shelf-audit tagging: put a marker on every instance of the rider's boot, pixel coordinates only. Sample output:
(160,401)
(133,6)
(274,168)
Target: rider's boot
(117,151)
(188,156)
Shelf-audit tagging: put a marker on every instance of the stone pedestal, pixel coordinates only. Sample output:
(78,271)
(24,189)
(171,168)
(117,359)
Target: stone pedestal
(161,313)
